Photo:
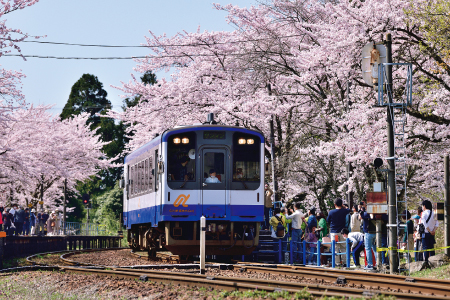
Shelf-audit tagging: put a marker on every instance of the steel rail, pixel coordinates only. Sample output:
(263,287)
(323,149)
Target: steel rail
(31,257)
(359,279)
(244,284)
(427,281)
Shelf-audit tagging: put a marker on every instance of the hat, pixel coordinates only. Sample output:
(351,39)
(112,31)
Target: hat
(416,217)
(33,210)
(53,212)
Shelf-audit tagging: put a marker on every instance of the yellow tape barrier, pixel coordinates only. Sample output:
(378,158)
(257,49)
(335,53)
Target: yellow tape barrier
(406,251)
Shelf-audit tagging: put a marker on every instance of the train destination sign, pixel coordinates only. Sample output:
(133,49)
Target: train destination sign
(214,135)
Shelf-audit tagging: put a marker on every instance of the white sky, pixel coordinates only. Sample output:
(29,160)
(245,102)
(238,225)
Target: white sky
(106,22)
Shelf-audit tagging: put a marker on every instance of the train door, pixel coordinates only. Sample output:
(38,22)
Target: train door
(214,182)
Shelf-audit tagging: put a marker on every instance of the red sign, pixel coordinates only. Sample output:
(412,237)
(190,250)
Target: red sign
(376,197)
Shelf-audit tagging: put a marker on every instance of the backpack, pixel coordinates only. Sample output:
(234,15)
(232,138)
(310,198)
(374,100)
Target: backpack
(421,228)
(280,228)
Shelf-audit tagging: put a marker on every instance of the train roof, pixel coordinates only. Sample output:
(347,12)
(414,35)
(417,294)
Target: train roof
(180,129)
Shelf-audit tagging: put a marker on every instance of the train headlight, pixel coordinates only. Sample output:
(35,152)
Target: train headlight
(250,141)
(242,141)
(176,140)
(185,140)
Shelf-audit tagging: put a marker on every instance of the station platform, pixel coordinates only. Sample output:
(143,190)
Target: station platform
(26,245)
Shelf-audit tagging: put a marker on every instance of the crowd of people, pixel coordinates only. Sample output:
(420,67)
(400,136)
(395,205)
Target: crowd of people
(416,232)
(17,221)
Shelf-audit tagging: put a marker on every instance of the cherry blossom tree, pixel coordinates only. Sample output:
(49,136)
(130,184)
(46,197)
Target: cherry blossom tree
(310,53)
(40,151)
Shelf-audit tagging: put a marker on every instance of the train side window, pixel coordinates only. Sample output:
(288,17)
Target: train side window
(246,157)
(132,181)
(156,173)
(146,175)
(129,187)
(141,175)
(150,176)
(136,178)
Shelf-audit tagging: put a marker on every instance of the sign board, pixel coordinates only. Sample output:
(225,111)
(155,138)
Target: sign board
(376,197)
(377,209)
(376,203)
(438,210)
(366,66)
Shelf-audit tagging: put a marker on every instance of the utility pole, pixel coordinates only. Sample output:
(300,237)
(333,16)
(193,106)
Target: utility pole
(392,211)
(42,192)
(446,206)
(64,207)
(272,151)
(349,165)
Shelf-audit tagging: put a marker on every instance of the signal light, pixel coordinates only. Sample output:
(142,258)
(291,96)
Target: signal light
(86,199)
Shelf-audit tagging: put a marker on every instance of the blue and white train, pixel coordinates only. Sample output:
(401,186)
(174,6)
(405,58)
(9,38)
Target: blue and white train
(207,169)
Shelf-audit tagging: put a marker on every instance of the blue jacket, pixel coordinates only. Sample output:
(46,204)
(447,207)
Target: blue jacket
(336,219)
(312,222)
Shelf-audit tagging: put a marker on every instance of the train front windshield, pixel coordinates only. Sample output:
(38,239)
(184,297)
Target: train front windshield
(226,159)
(246,157)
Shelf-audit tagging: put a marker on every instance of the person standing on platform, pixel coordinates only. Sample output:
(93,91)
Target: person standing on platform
(7,221)
(51,223)
(355,223)
(57,222)
(19,219)
(322,225)
(408,237)
(297,218)
(1,217)
(418,256)
(312,220)
(26,222)
(369,239)
(336,219)
(42,218)
(277,234)
(428,222)
(268,205)
(347,217)
(33,221)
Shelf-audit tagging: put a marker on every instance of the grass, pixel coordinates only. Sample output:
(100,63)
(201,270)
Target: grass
(14,262)
(12,288)
(304,294)
(442,272)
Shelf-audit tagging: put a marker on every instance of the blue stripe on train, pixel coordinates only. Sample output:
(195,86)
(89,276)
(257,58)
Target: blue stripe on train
(235,213)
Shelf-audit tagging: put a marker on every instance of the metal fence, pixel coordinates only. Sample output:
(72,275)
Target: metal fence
(76,228)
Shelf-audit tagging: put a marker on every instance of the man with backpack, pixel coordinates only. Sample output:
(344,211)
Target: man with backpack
(278,223)
(427,228)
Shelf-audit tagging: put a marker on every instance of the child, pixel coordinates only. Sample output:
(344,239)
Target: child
(357,239)
(311,238)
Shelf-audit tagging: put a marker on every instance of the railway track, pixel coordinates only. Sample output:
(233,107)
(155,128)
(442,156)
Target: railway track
(343,282)
(242,284)
(433,287)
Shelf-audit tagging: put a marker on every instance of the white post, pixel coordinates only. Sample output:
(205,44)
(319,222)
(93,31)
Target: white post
(202,244)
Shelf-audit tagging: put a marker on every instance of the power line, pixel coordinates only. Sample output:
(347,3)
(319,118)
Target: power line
(187,55)
(157,46)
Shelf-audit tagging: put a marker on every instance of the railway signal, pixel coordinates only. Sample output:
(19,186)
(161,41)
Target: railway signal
(86,200)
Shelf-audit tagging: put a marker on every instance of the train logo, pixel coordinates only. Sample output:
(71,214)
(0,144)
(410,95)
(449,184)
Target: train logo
(181,200)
